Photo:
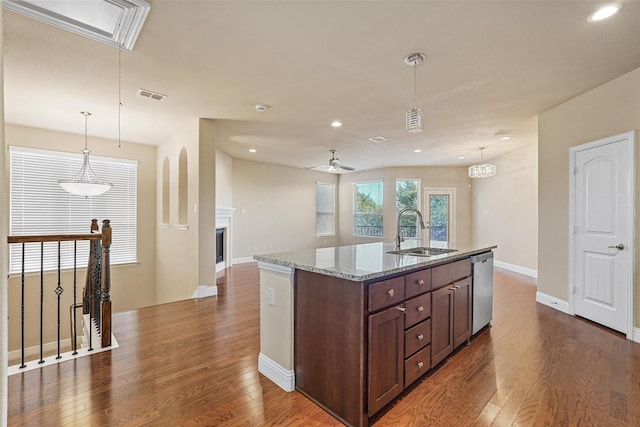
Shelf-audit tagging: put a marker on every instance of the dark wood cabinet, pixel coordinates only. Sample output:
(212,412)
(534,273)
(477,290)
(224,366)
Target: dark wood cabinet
(451,319)
(462,300)
(441,324)
(359,345)
(386,357)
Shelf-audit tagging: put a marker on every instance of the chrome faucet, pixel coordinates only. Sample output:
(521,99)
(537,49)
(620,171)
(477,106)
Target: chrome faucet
(399,238)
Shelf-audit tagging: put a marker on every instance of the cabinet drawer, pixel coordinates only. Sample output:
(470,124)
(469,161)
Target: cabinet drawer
(448,273)
(417,337)
(386,293)
(417,283)
(418,309)
(417,365)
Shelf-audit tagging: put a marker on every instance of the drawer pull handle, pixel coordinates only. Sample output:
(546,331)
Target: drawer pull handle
(402,309)
(420,282)
(420,365)
(420,337)
(390,292)
(457,287)
(421,309)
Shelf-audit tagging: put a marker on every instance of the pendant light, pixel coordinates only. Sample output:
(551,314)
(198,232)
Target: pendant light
(482,170)
(85,183)
(414,116)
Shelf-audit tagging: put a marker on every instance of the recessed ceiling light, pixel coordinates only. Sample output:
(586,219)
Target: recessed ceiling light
(261,108)
(460,157)
(336,123)
(505,138)
(378,139)
(604,12)
(252,150)
(417,151)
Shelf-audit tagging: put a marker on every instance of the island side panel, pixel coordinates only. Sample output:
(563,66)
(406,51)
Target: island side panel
(329,344)
(276,325)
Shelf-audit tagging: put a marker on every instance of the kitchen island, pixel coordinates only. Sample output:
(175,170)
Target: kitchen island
(353,326)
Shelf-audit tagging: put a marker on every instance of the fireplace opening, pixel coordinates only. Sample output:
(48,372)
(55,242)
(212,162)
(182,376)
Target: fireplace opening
(219,245)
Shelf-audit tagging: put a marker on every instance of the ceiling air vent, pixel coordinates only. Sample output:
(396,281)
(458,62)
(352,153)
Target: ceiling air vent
(150,94)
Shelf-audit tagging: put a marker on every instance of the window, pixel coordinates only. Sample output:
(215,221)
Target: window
(325,209)
(367,216)
(407,193)
(38,205)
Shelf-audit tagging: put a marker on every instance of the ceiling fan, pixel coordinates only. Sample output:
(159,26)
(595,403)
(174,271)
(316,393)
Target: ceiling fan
(334,163)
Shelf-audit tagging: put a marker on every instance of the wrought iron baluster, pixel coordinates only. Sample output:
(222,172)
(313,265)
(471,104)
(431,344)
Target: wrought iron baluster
(59,291)
(75,322)
(41,300)
(22,365)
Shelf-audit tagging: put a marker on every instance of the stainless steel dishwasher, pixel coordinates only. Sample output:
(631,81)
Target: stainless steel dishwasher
(482,290)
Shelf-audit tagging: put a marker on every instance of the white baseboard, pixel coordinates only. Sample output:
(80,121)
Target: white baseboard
(636,335)
(283,378)
(205,291)
(51,360)
(243,260)
(552,302)
(516,268)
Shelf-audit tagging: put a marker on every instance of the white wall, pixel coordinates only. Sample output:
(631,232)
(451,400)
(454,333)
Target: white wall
(275,208)
(177,256)
(224,180)
(505,209)
(607,110)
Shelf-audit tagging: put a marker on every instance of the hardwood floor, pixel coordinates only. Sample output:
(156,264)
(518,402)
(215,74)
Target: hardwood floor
(194,363)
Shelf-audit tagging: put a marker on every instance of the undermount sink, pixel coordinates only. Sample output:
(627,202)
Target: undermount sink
(422,251)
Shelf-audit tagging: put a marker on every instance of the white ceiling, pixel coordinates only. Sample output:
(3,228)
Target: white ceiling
(490,65)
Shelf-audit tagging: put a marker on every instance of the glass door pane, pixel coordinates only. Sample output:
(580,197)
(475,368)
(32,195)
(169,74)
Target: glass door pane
(439,218)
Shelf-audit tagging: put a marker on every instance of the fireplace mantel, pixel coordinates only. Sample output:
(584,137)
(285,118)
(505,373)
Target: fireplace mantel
(224,219)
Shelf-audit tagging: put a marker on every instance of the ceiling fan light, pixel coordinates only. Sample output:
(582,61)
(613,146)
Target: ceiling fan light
(414,120)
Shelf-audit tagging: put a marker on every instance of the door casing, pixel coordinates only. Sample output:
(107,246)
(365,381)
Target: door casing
(629,139)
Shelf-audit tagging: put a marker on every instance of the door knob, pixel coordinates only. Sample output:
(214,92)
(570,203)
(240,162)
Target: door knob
(619,246)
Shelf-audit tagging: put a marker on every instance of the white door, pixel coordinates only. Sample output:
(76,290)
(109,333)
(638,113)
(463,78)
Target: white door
(603,211)
(439,207)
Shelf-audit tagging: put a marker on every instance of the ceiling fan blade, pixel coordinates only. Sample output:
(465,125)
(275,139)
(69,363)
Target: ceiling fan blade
(347,168)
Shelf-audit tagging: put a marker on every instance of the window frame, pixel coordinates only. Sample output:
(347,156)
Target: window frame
(355,212)
(332,212)
(418,200)
(39,206)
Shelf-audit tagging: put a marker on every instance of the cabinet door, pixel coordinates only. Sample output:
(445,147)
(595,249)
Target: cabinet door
(386,345)
(462,312)
(441,324)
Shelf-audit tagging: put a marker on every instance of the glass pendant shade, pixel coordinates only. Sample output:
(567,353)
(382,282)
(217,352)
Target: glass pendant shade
(414,120)
(85,182)
(482,170)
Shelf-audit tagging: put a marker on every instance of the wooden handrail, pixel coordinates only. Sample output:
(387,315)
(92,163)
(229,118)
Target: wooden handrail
(97,291)
(53,238)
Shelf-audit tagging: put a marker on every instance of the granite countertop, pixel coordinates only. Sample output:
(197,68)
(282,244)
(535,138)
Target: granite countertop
(366,261)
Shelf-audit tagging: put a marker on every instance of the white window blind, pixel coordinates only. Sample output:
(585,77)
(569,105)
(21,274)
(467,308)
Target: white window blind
(38,205)
(325,209)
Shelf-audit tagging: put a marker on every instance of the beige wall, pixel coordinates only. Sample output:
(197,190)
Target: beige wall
(275,208)
(607,110)
(505,208)
(430,177)
(224,180)
(133,286)
(177,266)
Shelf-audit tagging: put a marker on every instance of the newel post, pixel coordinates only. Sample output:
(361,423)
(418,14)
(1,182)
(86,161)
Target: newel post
(106,284)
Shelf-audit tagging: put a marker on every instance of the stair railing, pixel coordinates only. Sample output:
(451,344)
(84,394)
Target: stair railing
(97,287)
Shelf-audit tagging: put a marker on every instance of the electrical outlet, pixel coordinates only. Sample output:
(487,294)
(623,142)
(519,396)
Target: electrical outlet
(271,296)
